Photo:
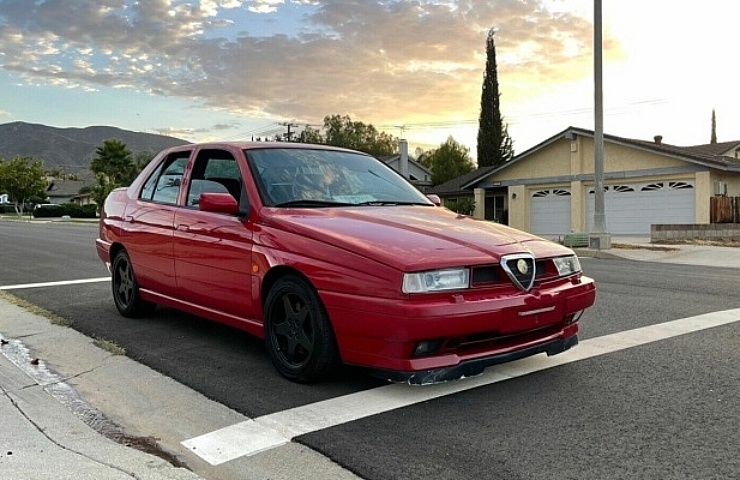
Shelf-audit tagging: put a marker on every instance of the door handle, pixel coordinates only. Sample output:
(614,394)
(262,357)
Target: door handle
(128,219)
(183,228)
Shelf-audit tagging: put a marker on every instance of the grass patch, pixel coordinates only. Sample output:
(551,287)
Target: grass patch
(36,310)
(652,248)
(109,346)
(704,243)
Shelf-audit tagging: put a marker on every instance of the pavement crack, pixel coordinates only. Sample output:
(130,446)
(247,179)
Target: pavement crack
(57,386)
(43,432)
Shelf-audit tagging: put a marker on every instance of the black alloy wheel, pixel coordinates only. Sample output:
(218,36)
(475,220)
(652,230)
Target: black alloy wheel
(126,288)
(298,334)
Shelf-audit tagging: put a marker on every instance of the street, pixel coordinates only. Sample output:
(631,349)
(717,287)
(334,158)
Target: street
(666,409)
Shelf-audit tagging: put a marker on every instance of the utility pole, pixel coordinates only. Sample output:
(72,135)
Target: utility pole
(599,239)
(289,125)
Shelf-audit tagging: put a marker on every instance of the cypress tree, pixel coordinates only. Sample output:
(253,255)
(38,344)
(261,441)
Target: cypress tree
(713,138)
(494,144)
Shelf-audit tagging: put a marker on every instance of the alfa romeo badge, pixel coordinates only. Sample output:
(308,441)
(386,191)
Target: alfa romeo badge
(522,266)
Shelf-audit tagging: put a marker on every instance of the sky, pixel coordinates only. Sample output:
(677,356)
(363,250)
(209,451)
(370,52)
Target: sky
(219,70)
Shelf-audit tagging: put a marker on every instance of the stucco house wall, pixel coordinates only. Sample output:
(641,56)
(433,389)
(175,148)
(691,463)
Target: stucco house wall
(565,162)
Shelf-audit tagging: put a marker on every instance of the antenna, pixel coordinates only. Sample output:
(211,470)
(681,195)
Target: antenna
(401,129)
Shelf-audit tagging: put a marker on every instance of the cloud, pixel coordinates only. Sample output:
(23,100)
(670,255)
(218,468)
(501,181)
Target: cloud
(372,60)
(265,6)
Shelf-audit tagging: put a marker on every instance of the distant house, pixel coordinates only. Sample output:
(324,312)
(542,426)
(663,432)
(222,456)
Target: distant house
(407,166)
(67,191)
(549,189)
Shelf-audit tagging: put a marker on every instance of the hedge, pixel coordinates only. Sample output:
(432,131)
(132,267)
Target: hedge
(70,209)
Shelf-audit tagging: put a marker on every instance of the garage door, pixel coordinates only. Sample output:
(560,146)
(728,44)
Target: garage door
(630,209)
(550,211)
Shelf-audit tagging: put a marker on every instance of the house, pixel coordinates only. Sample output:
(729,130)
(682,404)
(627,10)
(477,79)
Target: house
(549,189)
(407,166)
(66,191)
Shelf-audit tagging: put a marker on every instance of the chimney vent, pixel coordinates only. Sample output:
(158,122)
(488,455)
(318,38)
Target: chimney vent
(658,139)
(403,161)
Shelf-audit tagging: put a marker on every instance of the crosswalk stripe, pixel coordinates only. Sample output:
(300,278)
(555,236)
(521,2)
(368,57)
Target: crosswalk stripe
(276,429)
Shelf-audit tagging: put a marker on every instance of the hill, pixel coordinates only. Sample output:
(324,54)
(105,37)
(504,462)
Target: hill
(72,149)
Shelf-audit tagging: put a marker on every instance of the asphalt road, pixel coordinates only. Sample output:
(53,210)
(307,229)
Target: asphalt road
(665,410)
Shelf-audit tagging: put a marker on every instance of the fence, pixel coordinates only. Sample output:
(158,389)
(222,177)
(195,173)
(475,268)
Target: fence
(724,210)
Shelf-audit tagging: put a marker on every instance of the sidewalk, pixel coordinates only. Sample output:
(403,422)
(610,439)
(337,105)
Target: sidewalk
(640,248)
(41,438)
(59,391)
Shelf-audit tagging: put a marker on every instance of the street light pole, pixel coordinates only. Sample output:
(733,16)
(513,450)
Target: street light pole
(599,239)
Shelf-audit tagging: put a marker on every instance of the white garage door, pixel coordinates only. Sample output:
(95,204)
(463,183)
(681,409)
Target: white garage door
(550,211)
(630,209)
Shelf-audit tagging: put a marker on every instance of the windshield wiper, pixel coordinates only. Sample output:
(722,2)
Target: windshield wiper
(304,203)
(379,203)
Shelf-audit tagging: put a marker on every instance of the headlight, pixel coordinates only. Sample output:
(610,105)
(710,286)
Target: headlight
(567,265)
(436,280)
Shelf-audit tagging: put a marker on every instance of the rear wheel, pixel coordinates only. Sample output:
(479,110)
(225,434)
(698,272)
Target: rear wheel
(298,334)
(126,288)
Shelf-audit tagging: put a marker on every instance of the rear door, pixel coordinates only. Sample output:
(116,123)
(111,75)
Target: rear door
(213,251)
(149,225)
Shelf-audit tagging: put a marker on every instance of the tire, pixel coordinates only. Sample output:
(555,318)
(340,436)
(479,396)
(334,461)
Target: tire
(125,288)
(298,334)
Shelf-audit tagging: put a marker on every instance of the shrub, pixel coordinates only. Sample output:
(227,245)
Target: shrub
(71,209)
(463,206)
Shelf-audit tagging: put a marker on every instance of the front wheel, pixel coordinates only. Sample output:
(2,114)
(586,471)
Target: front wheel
(298,334)
(126,288)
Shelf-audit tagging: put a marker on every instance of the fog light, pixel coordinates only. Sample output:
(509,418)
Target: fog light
(427,347)
(573,317)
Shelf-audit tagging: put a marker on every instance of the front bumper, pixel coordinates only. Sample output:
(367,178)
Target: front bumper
(472,368)
(474,329)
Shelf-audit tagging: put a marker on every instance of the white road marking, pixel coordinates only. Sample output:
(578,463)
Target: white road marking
(276,429)
(54,284)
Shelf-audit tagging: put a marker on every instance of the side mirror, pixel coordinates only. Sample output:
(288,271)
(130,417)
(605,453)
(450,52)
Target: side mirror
(218,203)
(435,199)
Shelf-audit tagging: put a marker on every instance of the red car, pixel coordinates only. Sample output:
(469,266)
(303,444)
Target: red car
(331,256)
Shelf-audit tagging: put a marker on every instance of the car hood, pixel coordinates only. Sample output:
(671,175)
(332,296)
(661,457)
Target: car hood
(410,238)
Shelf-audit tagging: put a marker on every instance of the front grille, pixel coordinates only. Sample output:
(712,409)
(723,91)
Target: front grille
(521,269)
(495,275)
(484,341)
(485,275)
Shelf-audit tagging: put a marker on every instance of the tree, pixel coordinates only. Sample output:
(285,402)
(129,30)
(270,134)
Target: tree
(494,143)
(310,135)
(113,166)
(22,178)
(59,174)
(450,161)
(713,138)
(341,131)
(141,160)
(424,158)
(115,161)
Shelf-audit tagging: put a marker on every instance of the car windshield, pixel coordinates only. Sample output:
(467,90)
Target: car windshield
(311,178)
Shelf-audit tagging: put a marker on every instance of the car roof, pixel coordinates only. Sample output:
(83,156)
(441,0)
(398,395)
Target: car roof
(244,145)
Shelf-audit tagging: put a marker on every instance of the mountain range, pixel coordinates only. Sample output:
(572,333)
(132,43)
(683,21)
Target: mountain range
(72,149)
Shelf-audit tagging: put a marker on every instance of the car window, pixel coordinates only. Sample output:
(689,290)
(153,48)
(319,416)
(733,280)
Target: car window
(214,171)
(163,186)
(291,176)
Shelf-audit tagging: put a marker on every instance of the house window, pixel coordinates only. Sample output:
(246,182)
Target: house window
(556,192)
(652,187)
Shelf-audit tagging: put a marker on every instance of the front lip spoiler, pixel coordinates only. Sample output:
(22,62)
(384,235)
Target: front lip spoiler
(472,368)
